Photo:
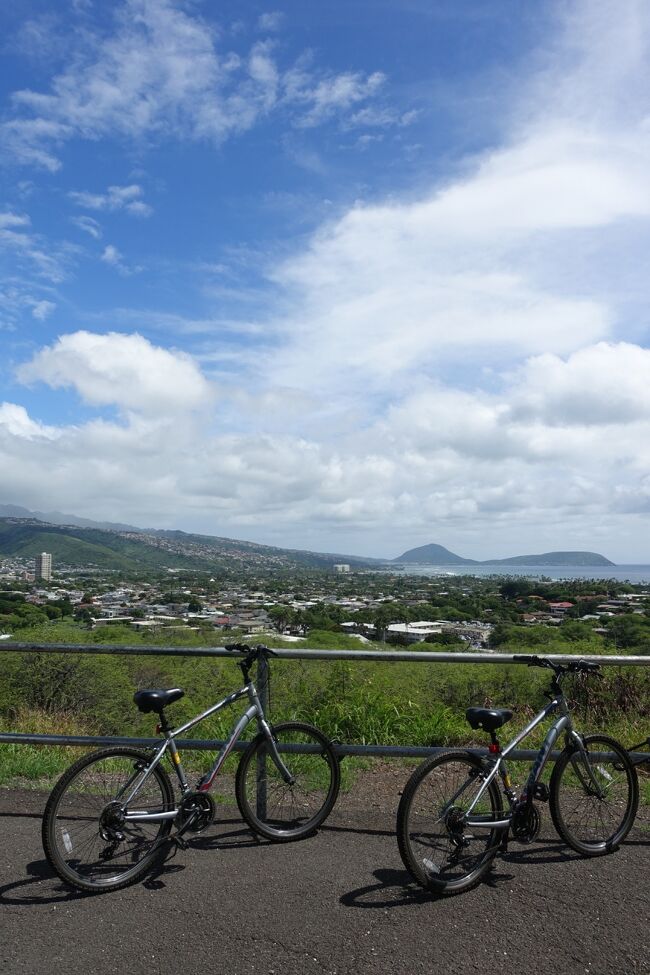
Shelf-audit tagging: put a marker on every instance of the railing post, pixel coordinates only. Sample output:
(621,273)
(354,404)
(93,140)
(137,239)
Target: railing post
(263,673)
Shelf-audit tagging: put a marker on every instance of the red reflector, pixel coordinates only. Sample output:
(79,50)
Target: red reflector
(158,729)
(494,747)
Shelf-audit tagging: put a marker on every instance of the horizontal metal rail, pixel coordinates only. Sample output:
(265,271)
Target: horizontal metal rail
(204,744)
(383,656)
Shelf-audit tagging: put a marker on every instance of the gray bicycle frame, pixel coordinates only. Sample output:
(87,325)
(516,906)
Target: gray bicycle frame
(253,711)
(563,723)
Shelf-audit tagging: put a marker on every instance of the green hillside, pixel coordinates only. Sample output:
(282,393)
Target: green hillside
(137,549)
(83,547)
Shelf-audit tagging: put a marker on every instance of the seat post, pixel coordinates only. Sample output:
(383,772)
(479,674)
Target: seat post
(164,724)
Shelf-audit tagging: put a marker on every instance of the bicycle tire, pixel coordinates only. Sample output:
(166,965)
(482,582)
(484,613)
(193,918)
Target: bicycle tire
(76,817)
(590,824)
(290,812)
(433,843)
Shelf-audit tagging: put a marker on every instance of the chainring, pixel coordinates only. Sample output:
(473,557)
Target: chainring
(196,812)
(526,823)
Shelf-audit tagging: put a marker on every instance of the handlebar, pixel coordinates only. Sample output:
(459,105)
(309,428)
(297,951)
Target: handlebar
(251,654)
(574,667)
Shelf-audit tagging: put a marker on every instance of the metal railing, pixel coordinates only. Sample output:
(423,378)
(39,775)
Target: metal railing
(342,749)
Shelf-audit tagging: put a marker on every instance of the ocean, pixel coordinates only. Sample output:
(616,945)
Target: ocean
(636,574)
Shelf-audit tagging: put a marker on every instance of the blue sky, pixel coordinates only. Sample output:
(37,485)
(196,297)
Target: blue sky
(348,276)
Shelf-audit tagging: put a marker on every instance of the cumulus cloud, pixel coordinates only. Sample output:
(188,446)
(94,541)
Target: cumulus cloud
(122,370)
(16,423)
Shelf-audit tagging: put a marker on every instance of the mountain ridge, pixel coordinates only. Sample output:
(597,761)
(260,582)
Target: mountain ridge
(81,541)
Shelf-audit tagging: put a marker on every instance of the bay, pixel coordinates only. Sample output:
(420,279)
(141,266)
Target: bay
(636,574)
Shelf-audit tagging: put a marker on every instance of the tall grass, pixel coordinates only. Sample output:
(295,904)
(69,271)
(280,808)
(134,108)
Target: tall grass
(353,701)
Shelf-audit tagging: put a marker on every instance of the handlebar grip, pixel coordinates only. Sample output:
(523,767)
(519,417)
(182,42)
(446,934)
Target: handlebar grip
(526,658)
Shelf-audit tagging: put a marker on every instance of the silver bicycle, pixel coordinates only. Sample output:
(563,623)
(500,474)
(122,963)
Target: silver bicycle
(109,818)
(451,820)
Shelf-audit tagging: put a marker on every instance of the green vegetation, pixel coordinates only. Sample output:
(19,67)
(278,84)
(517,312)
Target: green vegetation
(356,701)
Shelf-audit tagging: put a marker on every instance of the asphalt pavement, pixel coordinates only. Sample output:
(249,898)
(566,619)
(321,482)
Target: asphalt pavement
(339,903)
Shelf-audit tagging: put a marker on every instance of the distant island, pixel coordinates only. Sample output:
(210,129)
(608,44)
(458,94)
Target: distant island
(439,555)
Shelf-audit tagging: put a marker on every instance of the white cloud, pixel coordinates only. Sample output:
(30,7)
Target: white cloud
(42,309)
(460,366)
(160,74)
(114,258)
(17,238)
(271,21)
(122,370)
(600,385)
(328,96)
(89,226)
(127,198)
(520,253)
(15,421)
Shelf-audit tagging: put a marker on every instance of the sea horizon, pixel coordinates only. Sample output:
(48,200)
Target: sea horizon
(636,574)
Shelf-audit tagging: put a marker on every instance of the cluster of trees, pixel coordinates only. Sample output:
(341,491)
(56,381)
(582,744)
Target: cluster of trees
(16,613)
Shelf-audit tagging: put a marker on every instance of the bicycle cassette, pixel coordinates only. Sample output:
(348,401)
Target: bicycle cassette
(195,812)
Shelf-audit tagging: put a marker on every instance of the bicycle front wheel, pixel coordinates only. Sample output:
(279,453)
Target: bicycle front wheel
(279,810)
(85,836)
(442,852)
(593,798)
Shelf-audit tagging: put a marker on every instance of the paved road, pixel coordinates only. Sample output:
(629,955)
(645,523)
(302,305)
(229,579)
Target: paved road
(337,903)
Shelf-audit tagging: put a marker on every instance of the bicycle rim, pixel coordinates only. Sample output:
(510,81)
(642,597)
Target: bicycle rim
(442,853)
(84,836)
(284,811)
(594,815)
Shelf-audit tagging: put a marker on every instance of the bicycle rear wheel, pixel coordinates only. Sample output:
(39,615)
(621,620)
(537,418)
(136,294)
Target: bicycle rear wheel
(594,816)
(282,811)
(85,837)
(442,853)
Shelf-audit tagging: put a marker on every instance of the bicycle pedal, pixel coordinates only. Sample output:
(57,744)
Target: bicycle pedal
(541,792)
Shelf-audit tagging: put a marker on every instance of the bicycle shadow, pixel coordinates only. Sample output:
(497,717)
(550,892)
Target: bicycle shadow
(43,886)
(396,888)
(238,838)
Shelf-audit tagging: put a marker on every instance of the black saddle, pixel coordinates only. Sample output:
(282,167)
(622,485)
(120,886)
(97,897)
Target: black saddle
(156,700)
(489,719)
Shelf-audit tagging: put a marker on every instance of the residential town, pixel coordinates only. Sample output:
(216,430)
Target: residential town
(458,611)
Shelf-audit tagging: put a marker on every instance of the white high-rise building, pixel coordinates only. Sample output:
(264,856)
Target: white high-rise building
(43,566)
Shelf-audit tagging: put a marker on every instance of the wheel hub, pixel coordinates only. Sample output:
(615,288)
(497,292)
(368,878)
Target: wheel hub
(111,821)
